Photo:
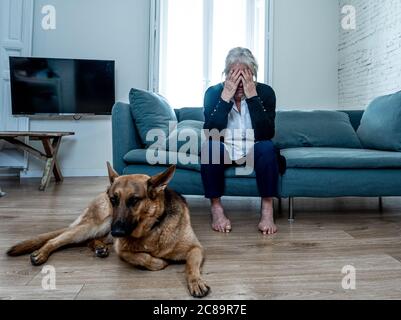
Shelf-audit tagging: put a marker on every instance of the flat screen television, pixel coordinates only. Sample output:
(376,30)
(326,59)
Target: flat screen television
(61,86)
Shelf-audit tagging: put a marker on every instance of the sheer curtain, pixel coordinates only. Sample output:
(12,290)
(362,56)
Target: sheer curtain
(192,39)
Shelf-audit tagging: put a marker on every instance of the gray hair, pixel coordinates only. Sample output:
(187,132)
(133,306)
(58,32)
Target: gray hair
(241,55)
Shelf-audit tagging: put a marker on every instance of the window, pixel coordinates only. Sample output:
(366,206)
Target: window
(192,39)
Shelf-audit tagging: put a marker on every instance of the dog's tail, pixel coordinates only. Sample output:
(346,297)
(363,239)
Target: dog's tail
(33,244)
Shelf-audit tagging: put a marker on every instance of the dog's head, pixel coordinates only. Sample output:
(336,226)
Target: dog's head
(137,201)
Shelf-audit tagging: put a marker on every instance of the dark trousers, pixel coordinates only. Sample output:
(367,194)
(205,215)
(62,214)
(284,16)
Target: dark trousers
(265,167)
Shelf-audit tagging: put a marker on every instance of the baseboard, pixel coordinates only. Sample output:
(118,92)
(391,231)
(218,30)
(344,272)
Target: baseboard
(67,173)
(9,172)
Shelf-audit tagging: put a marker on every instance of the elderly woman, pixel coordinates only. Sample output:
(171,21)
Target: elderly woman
(240,104)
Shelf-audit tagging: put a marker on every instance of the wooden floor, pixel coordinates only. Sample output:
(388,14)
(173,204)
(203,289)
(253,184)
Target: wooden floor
(303,261)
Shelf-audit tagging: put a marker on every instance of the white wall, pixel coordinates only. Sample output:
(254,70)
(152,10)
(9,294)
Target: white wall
(304,72)
(370,55)
(305,58)
(93,29)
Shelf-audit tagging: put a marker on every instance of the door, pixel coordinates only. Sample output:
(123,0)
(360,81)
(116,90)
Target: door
(16,24)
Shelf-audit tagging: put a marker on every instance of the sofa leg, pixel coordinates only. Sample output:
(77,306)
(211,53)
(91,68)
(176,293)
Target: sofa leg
(291,218)
(381,204)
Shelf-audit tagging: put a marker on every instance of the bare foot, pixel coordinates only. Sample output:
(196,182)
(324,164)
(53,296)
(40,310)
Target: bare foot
(266,224)
(220,222)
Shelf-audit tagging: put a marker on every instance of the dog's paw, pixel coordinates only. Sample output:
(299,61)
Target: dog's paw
(198,288)
(157,264)
(102,252)
(38,258)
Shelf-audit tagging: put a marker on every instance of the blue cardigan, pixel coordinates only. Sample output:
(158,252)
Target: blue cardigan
(262,110)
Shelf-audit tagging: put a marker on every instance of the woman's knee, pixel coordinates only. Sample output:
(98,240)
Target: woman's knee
(266,146)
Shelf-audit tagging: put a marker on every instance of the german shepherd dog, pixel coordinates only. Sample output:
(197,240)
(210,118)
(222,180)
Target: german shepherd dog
(149,222)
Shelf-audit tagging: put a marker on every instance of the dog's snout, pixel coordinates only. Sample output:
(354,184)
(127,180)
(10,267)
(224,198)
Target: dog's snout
(121,229)
(118,233)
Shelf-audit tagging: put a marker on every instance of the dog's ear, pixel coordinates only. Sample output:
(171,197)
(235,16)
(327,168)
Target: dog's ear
(112,174)
(160,181)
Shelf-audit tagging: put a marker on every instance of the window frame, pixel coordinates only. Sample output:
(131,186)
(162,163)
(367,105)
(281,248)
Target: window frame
(158,10)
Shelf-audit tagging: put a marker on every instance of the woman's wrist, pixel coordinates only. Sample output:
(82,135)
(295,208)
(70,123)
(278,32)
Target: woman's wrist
(225,98)
(252,94)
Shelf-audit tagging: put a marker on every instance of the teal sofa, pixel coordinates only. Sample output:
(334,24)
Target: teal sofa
(311,171)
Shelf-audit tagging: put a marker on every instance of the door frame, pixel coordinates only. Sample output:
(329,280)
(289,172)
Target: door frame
(15,40)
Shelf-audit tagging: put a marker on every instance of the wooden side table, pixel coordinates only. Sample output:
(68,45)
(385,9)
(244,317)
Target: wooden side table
(51,143)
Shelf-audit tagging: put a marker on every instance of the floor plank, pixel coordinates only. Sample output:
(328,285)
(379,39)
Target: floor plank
(303,261)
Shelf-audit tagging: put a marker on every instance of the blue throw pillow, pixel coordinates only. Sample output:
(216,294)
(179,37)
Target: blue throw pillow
(150,111)
(296,129)
(188,133)
(381,124)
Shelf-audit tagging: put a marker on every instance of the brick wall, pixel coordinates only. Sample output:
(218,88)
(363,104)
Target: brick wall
(370,56)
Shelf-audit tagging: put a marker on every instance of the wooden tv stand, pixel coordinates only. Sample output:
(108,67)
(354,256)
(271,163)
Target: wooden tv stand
(51,143)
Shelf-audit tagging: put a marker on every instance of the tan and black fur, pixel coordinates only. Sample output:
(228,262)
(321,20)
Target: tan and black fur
(149,222)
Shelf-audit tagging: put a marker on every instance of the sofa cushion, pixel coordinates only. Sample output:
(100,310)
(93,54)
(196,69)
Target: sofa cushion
(188,133)
(341,158)
(150,111)
(314,129)
(162,157)
(191,162)
(195,113)
(381,124)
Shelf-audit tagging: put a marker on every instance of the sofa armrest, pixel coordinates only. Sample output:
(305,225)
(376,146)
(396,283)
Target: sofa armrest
(125,135)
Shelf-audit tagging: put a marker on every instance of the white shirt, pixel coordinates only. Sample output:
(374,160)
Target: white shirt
(239,137)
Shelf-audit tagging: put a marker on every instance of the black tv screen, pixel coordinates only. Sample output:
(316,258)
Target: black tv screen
(61,86)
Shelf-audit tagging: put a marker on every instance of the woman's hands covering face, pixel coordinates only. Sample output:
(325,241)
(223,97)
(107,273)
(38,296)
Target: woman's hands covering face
(248,84)
(231,84)
(233,80)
